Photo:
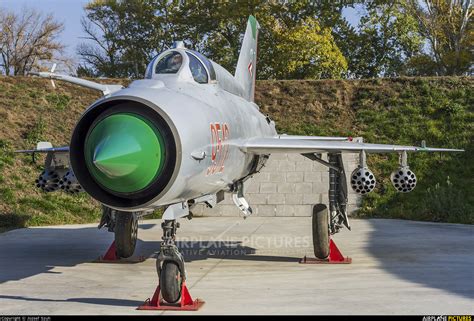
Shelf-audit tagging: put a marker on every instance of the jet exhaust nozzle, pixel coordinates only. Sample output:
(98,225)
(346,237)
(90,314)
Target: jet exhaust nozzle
(362,180)
(403,179)
(69,183)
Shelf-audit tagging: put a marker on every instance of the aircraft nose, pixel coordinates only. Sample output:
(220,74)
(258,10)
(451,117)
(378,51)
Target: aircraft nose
(124,152)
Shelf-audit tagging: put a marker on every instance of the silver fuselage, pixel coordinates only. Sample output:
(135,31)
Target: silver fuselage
(190,110)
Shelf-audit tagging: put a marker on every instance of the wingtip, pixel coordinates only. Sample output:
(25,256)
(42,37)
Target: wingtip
(454,150)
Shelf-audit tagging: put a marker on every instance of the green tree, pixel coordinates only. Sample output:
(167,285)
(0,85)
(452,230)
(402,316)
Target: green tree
(447,27)
(123,36)
(289,31)
(101,54)
(387,36)
(216,30)
(306,51)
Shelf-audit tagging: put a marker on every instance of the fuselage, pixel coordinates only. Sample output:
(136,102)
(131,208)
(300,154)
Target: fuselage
(207,121)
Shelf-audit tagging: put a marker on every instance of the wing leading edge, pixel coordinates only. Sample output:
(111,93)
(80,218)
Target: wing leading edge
(64,149)
(305,145)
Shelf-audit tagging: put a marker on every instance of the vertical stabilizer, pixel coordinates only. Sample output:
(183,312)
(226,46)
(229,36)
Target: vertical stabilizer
(247,64)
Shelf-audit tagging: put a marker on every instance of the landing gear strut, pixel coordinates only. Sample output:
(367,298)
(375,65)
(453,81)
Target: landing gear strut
(327,222)
(171,293)
(170,264)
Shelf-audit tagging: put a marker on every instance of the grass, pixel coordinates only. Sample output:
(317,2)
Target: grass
(402,111)
(30,111)
(58,101)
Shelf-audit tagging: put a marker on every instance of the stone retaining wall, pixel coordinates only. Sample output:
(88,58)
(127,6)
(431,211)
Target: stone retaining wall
(288,185)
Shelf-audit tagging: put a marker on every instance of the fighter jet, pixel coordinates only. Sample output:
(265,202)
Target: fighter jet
(187,133)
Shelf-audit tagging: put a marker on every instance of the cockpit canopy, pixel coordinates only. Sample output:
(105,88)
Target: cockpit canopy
(178,61)
(169,63)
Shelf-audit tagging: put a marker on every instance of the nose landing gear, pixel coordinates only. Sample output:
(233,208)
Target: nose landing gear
(170,263)
(171,293)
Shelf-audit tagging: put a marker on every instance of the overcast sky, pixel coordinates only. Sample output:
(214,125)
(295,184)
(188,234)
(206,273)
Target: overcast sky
(70,12)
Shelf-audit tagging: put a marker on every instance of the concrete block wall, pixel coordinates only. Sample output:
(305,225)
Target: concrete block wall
(289,185)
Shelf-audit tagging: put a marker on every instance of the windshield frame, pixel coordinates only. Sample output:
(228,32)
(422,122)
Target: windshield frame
(190,56)
(211,73)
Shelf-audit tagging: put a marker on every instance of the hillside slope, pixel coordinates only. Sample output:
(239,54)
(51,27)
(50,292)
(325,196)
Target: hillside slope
(403,111)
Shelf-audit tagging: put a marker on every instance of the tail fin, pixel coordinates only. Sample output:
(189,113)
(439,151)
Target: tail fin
(246,66)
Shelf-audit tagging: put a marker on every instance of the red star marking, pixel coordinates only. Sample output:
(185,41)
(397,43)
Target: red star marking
(250,68)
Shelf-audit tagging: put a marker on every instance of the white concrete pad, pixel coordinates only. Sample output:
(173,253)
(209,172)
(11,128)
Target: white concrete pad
(246,267)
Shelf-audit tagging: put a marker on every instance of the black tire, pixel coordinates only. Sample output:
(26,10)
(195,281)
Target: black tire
(126,233)
(170,282)
(320,231)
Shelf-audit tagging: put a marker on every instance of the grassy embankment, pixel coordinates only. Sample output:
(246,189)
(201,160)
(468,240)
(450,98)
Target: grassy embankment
(402,111)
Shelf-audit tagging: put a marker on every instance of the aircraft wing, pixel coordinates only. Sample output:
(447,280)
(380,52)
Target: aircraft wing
(305,146)
(105,89)
(315,138)
(45,147)
(64,149)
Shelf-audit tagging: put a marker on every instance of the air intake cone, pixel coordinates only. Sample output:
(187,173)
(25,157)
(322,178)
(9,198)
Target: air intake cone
(124,153)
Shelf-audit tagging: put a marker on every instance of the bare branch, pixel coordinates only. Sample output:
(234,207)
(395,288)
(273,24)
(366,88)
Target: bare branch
(27,39)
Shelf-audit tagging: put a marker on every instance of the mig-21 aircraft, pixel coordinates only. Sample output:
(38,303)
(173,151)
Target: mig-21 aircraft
(186,134)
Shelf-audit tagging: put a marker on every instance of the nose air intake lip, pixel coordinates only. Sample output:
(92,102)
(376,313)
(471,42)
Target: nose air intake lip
(124,152)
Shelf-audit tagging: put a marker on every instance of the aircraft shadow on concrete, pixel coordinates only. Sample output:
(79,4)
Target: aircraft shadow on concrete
(28,252)
(98,301)
(442,258)
(146,226)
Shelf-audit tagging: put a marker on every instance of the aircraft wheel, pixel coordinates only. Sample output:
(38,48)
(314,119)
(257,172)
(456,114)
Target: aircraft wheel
(320,228)
(126,233)
(170,282)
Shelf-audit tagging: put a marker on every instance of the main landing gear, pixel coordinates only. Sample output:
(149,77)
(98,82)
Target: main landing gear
(327,222)
(124,225)
(325,250)
(320,229)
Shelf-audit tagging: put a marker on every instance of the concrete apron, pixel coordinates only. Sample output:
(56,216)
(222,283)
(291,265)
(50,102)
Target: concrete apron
(245,267)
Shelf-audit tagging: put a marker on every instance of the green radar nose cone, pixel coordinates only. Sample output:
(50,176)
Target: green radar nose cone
(111,158)
(124,153)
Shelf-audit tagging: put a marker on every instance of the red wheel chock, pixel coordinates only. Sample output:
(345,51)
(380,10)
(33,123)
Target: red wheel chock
(111,257)
(186,302)
(335,257)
